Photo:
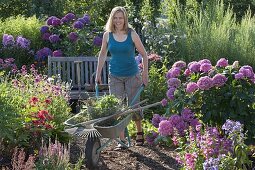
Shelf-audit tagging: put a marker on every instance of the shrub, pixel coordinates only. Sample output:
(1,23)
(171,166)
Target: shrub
(32,107)
(214,93)
(69,36)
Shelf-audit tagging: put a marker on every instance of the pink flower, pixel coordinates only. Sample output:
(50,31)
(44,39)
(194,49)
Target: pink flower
(205,67)
(173,82)
(194,67)
(222,62)
(219,80)
(205,83)
(170,93)
(191,87)
(165,128)
(173,72)
(239,76)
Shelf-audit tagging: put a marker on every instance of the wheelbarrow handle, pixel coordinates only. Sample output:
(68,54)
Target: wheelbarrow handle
(137,94)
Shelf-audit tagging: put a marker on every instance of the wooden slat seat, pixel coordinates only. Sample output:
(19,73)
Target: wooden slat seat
(80,73)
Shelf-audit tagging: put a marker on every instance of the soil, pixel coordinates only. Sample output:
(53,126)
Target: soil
(134,158)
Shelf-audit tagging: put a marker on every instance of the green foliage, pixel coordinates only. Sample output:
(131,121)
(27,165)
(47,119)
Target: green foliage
(26,27)
(146,125)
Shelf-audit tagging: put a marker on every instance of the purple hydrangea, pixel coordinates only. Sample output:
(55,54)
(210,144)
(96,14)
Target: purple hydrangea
(222,62)
(50,19)
(43,53)
(173,72)
(173,82)
(64,20)
(56,22)
(239,76)
(191,87)
(247,71)
(57,53)
(219,80)
(180,64)
(70,16)
(86,18)
(164,102)
(170,93)
(165,128)
(138,59)
(73,36)
(54,38)
(44,29)
(203,61)
(8,40)
(97,41)
(194,67)
(46,36)
(150,138)
(205,67)
(156,119)
(204,83)
(22,42)
(78,25)
(187,115)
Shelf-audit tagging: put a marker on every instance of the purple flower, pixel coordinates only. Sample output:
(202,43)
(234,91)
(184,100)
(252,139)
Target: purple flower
(44,52)
(187,115)
(204,61)
(173,82)
(56,22)
(239,76)
(23,42)
(78,25)
(170,93)
(50,19)
(247,71)
(54,38)
(138,59)
(187,72)
(8,40)
(165,128)
(57,53)
(173,72)
(150,138)
(97,41)
(44,29)
(180,64)
(222,62)
(73,36)
(86,18)
(194,67)
(46,36)
(219,80)
(70,16)
(64,20)
(211,164)
(191,87)
(205,67)
(156,119)
(164,102)
(191,160)
(204,83)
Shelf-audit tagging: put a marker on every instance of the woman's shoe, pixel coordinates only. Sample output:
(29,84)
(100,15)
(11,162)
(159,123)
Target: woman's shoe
(139,141)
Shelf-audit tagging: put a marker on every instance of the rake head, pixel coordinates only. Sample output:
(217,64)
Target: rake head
(83,132)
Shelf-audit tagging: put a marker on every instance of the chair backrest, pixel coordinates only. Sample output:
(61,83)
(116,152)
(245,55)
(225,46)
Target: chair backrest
(79,71)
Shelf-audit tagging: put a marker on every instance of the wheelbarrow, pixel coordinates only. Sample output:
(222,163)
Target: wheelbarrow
(93,129)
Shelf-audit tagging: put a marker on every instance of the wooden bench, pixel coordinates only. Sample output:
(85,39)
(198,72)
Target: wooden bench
(80,73)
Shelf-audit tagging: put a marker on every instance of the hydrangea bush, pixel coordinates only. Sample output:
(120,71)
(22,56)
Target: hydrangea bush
(70,35)
(214,93)
(18,48)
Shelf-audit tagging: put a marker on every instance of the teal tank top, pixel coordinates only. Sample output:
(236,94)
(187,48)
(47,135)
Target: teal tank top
(122,62)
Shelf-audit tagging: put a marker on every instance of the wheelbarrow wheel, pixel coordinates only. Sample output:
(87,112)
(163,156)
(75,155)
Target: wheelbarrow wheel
(92,157)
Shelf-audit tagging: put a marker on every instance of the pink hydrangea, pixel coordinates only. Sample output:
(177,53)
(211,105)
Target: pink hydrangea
(204,83)
(191,87)
(170,93)
(173,82)
(180,64)
(239,76)
(187,72)
(247,71)
(205,67)
(173,72)
(165,128)
(204,61)
(194,67)
(219,80)
(222,62)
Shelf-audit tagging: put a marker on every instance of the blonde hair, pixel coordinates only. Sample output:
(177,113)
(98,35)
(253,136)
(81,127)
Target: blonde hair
(110,26)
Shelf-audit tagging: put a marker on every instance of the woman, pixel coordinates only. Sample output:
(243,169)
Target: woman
(124,79)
